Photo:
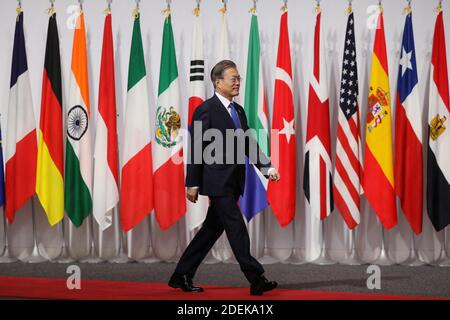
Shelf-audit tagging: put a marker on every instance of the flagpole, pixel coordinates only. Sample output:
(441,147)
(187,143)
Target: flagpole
(296,258)
(121,256)
(6,257)
(64,256)
(383,259)
(444,260)
(92,257)
(352,259)
(413,259)
(324,258)
(150,257)
(35,257)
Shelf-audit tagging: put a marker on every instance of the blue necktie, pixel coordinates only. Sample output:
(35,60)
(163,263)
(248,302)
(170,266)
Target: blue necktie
(234,116)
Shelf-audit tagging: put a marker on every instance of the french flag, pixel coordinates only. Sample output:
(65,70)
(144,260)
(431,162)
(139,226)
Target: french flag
(21,144)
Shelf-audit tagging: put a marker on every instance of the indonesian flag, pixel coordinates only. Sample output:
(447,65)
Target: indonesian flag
(50,161)
(281,194)
(254,199)
(170,202)
(106,176)
(438,184)
(136,191)
(196,211)
(317,181)
(78,184)
(408,133)
(21,145)
(378,179)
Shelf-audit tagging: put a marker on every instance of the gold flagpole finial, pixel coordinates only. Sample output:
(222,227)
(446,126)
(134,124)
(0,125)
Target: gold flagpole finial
(253,9)
(284,8)
(80,2)
(408,8)
(380,6)
(223,10)
(317,9)
(197,8)
(349,8)
(51,11)
(166,11)
(108,8)
(19,7)
(136,10)
(439,7)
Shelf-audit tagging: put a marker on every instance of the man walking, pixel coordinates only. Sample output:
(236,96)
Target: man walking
(221,177)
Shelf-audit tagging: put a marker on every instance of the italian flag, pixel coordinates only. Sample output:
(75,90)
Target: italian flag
(136,192)
(78,183)
(169,193)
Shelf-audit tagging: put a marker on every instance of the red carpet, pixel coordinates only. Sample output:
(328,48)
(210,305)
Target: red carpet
(45,288)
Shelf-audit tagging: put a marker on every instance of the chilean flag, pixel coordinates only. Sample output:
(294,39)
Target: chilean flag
(408,133)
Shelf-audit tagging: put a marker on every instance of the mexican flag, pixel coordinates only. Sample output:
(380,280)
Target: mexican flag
(169,193)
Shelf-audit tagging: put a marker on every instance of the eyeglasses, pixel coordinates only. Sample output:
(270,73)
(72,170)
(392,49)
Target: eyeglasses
(234,80)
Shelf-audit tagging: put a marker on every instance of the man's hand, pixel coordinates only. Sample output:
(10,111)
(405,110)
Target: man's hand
(192,194)
(274,175)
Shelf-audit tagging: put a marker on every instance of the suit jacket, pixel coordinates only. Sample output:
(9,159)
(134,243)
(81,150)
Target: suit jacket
(224,172)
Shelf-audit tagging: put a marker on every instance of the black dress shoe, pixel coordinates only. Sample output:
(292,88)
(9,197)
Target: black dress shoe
(183,282)
(261,286)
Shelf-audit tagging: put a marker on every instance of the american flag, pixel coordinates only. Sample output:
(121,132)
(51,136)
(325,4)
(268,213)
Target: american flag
(348,171)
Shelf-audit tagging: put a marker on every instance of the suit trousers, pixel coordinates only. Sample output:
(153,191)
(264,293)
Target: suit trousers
(223,214)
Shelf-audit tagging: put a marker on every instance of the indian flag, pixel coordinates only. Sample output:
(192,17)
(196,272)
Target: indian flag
(170,202)
(78,184)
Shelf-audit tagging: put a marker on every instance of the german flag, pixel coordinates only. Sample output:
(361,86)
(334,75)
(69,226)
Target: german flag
(378,179)
(50,163)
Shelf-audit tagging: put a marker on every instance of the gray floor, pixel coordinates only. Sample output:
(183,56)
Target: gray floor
(416,281)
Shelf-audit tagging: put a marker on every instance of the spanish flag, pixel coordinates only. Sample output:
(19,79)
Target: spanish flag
(50,163)
(378,163)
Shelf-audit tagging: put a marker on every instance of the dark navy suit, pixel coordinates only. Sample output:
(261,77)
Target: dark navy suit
(223,181)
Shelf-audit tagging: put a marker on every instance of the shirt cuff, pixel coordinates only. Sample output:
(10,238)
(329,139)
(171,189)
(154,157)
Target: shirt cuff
(270,170)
